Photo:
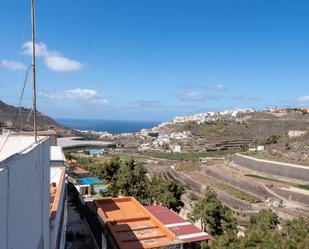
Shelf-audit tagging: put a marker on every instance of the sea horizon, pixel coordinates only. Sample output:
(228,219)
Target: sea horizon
(111,126)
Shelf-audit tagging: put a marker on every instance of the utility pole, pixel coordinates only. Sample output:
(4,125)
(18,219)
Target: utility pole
(33,72)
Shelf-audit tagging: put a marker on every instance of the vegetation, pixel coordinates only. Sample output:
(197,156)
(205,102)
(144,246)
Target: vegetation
(191,156)
(215,218)
(167,193)
(238,193)
(263,232)
(273,139)
(130,179)
(107,169)
(244,147)
(302,186)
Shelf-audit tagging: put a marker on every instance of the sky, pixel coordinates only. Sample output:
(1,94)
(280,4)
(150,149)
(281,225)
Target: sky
(155,59)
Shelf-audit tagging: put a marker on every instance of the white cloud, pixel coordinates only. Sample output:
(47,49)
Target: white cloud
(52,59)
(88,96)
(303,99)
(62,64)
(12,65)
(196,96)
(246,98)
(219,87)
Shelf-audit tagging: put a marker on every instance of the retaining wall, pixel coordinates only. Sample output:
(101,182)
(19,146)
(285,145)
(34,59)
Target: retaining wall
(251,187)
(294,196)
(199,187)
(272,167)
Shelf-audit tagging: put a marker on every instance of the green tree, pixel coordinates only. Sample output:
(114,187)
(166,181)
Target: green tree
(131,180)
(108,169)
(215,218)
(244,147)
(167,193)
(263,232)
(228,240)
(296,232)
(273,139)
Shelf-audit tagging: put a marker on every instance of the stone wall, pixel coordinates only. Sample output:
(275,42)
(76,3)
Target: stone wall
(293,196)
(250,186)
(199,187)
(272,167)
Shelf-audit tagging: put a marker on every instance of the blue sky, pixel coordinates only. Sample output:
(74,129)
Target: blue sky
(154,59)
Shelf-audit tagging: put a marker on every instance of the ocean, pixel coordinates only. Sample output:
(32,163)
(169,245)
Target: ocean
(111,126)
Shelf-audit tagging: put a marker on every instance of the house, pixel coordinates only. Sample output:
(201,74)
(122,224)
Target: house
(305,109)
(85,185)
(32,195)
(57,157)
(24,173)
(80,172)
(189,235)
(127,224)
(176,148)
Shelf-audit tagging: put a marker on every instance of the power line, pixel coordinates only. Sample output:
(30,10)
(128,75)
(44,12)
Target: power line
(18,110)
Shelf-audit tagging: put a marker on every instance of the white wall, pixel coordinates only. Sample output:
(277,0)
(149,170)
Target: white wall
(61,214)
(24,199)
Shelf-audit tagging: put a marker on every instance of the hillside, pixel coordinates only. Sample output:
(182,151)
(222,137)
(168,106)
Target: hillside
(256,128)
(23,120)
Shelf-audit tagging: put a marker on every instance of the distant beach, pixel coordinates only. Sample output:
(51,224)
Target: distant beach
(111,126)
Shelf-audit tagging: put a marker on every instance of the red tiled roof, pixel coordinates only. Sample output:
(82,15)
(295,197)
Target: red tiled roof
(78,170)
(183,230)
(164,214)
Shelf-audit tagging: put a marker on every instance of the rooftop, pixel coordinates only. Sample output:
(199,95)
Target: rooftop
(56,153)
(57,175)
(131,225)
(183,230)
(78,170)
(16,145)
(70,142)
(40,133)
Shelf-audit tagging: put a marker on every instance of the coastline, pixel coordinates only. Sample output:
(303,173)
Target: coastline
(110,126)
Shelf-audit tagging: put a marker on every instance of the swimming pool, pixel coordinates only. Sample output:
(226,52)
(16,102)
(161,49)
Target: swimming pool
(96,151)
(90,181)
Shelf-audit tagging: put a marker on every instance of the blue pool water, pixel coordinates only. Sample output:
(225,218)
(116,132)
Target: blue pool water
(90,181)
(96,151)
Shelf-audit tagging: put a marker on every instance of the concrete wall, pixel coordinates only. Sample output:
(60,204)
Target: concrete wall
(229,200)
(58,223)
(24,199)
(252,187)
(294,196)
(56,163)
(273,168)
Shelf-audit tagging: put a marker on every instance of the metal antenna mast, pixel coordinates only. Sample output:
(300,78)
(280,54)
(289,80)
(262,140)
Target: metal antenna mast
(33,72)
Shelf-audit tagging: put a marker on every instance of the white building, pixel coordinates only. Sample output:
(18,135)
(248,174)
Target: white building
(24,193)
(176,148)
(57,157)
(32,195)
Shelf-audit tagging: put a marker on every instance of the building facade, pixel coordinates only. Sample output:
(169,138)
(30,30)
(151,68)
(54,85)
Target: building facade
(24,193)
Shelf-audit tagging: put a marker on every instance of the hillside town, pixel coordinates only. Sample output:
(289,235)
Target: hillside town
(154,125)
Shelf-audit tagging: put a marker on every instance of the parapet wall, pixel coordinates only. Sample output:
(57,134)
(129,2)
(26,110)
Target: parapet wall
(294,196)
(249,186)
(199,187)
(274,168)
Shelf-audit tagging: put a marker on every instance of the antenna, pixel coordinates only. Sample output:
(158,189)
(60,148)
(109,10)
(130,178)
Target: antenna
(33,72)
